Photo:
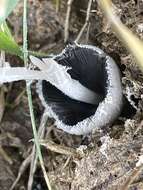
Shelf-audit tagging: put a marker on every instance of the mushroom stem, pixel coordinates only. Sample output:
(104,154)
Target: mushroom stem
(58,76)
(9,74)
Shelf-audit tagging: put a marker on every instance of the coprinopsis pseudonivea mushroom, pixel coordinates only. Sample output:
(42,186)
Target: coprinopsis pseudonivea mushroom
(80,88)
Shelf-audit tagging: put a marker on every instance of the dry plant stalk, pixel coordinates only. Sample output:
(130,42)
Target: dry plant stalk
(66,32)
(135,46)
(22,169)
(41,133)
(136,171)
(86,21)
(2,97)
(60,149)
(131,41)
(5,156)
(31,159)
(2,102)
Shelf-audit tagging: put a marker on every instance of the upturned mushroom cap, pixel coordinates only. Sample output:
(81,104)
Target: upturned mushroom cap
(96,102)
(80,88)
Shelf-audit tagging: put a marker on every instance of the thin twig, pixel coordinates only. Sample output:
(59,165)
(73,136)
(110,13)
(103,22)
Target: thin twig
(33,164)
(60,148)
(87,33)
(132,177)
(122,32)
(30,158)
(18,98)
(57,5)
(139,127)
(5,155)
(32,168)
(2,94)
(66,163)
(66,32)
(86,21)
(37,141)
(25,52)
(22,169)
(2,59)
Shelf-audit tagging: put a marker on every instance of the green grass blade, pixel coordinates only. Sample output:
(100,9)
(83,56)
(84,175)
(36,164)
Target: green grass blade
(9,45)
(4,28)
(25,51)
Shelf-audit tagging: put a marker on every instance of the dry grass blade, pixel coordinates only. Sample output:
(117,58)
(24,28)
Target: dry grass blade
(131,41)
(57,5)
(135,46)
(5,156)
(86,21)
(2,103)
(22,169)
(60,149)
(136,171)
(2,98)
(66,35)
(41,132)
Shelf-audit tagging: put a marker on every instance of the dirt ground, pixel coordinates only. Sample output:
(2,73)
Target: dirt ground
(109,157)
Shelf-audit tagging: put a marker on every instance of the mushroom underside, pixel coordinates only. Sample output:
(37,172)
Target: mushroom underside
(89,68)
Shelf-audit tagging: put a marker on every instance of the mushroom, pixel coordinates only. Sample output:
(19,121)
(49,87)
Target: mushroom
(95,102)
(80,88)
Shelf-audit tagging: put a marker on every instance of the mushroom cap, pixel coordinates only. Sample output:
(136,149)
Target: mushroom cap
(97,72)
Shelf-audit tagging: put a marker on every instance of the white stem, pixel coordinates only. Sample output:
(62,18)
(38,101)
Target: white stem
(54,73)
(58,76)
(9,74)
